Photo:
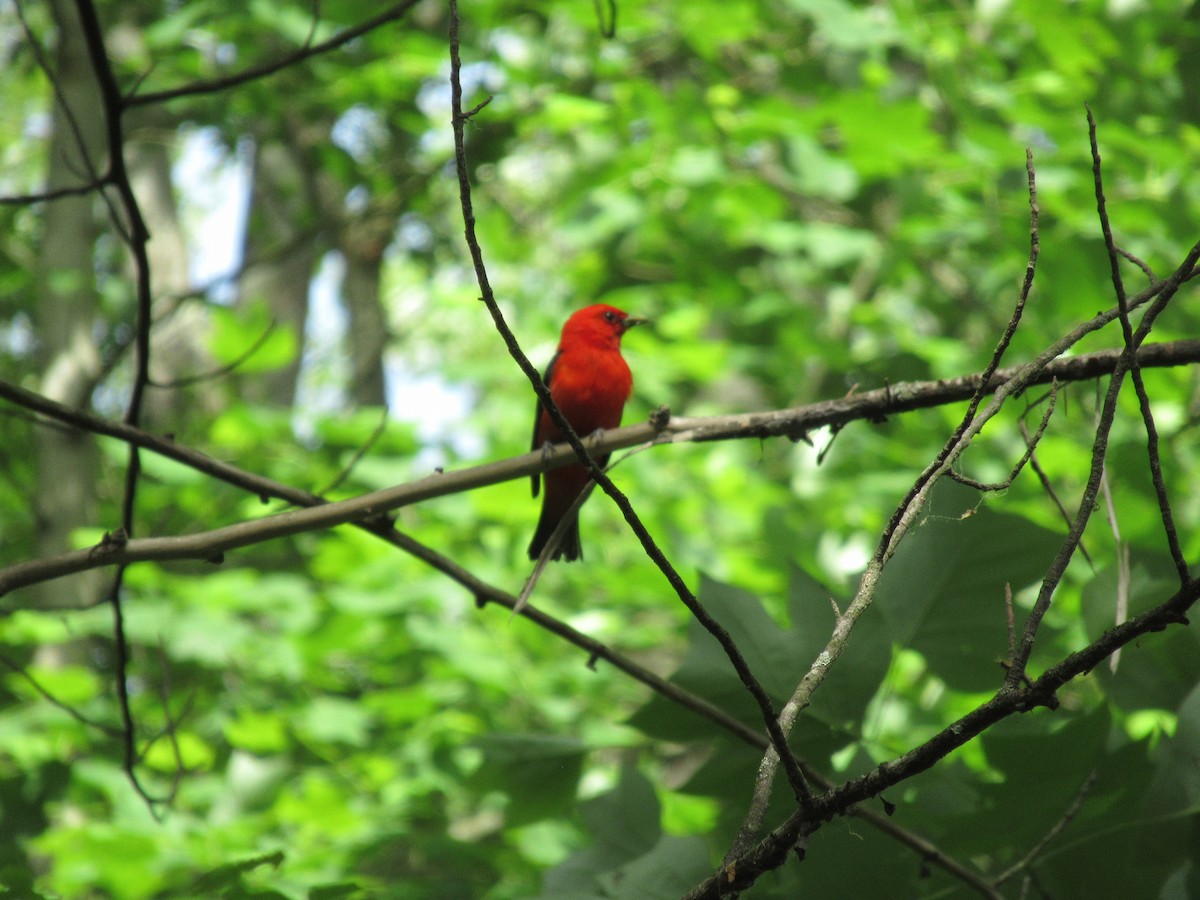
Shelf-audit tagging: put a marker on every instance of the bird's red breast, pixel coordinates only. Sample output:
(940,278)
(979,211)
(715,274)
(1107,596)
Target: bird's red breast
(590,382)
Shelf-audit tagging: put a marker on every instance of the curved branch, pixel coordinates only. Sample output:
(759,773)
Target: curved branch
(1135,371)
(771,851)
(216,85)
(791,764)
(868,406)
(1128,356)
(77,190)
(970,425)
(792,423)
(132,226)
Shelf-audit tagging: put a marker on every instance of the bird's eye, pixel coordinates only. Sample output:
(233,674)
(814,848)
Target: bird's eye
(610,316)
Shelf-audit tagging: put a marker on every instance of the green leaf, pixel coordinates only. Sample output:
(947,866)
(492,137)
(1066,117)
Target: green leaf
(71,685)
(194,754)
(249,339)
(1158,671)
(779,658)
(942,594)
(539,773)
(1176,787)
(563,112)
(672,867)
(1050,763)
(230,874)
(336,720)
(623,823)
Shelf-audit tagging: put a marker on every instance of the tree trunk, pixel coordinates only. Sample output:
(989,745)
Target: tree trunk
(363,242)
(68,356)
(180,326)
(281,252)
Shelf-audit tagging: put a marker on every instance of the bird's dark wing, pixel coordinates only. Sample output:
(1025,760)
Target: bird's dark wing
(537,420)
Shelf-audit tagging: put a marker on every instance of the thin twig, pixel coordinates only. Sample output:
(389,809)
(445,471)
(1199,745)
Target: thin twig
(137,236)
(770,852)
(1030,445)
(1087,504)
(766,708)
(358,455)
(1055,830)
(253,73)
(46,695)
(1010,621)
(220,371)
(56,194)
(552,543)
(1135,372)
(1048,487)
(211,544)
(1140,263)
(170,729)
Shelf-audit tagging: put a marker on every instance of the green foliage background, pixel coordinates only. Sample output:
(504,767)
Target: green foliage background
(807,196)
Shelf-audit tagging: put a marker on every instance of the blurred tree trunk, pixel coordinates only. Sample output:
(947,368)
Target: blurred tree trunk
(281,254)
(180,325)
(362,242)
(68,355)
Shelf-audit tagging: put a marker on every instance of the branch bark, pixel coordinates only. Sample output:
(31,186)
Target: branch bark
(793,423)
(253,73)
(772,850)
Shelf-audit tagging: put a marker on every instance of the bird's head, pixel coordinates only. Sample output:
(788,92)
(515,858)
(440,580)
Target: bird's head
(599,324)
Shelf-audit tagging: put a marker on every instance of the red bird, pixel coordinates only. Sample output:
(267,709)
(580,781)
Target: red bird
(590,383)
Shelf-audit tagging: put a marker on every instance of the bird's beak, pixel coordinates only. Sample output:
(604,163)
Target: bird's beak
(630,321)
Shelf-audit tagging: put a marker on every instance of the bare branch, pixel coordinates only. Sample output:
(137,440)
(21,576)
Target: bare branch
(46,695)
(869,406)
(133,227)
(1031,443)
(216,85)
(1048,487)
(766,708)
(905,515)
(1067,817)
(772,850)
(798,420)
(1135,373)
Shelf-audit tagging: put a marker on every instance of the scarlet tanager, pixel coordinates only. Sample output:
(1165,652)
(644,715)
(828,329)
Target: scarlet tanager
(590,383)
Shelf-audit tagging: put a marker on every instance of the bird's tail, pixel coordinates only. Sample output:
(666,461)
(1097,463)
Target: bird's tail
(568,548)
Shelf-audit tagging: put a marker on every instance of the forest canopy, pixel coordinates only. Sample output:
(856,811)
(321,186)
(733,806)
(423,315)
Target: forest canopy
(887,588)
